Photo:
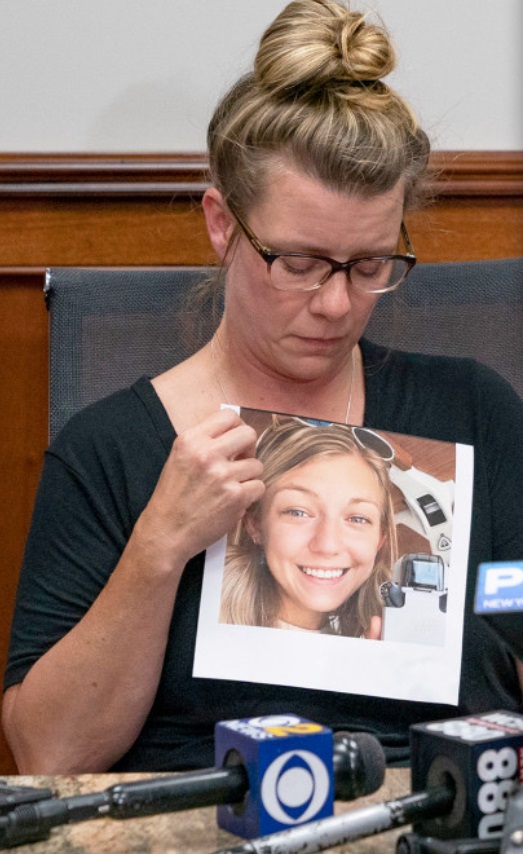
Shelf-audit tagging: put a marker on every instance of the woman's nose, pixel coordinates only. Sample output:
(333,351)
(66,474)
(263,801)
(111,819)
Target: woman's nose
(325,539)
(332,299)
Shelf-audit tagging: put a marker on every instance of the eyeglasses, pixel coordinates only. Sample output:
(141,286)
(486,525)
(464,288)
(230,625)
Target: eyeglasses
(298,271)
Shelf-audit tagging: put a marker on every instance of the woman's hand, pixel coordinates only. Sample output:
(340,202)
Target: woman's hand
(209,480)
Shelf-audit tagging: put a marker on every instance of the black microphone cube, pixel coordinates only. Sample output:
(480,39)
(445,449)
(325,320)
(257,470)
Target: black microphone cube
(289,763)
(481,756)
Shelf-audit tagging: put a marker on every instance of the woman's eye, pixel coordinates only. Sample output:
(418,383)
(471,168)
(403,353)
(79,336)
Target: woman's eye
(360,520)
(295,512)
(296,266)
(369,269)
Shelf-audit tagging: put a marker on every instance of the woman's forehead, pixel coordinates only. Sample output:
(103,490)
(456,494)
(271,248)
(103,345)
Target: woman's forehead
(281,176)
(339,467)
(297,208)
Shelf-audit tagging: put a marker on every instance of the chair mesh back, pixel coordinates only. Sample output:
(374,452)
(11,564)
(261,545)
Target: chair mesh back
(472,308)
(109,327)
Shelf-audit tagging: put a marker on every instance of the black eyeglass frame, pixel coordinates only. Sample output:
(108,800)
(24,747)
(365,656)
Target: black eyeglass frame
(336,266)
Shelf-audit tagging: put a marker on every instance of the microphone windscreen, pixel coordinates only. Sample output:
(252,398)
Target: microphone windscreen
(373,761)
(359,764)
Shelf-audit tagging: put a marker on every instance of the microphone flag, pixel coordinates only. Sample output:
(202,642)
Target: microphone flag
(499,601)
(289,762)
(481,756)
(499,587)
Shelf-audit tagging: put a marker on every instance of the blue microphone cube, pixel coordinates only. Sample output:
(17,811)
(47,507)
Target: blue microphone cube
(482,756)
(290,770)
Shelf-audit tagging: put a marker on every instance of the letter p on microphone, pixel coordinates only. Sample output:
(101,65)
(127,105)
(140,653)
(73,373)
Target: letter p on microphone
(499,587)
(497,578)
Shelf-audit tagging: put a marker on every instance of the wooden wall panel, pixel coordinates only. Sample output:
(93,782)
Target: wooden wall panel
(143,210)
(23,396)
(463,228)
(92,232)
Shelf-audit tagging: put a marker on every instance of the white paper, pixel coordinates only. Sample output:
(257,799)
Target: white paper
(426,671)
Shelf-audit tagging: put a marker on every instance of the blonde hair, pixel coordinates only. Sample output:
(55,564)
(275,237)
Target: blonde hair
(250,594)
(316,98)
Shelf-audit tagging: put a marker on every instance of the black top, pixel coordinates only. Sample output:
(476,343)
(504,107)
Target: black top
(100,471)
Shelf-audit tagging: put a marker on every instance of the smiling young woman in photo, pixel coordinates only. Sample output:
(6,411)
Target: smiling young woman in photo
(314,551)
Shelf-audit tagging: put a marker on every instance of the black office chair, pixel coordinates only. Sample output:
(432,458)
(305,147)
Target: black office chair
(108,327)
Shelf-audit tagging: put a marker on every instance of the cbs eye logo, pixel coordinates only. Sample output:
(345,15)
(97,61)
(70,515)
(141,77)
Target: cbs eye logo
(275,721)
(295,787)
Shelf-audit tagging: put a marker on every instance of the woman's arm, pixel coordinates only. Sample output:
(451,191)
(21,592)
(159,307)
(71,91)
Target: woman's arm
(83,703)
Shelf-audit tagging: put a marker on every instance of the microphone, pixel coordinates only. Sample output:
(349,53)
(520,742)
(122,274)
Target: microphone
(295,769)
(357,760)
(13,796)
(347,827)
(359,765)
(499,600)
(483,757)
(463,775)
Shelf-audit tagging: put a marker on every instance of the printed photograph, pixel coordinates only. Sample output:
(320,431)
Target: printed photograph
(353,539)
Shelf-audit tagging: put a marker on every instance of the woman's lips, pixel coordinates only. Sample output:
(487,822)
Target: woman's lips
(323,573)
(321,342)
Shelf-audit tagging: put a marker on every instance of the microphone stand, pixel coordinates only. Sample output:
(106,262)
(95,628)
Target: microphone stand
(32,822)
(358,766)
(347,827)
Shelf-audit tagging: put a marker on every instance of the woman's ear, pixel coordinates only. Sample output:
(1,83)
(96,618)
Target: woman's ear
(252,529)
(219,221)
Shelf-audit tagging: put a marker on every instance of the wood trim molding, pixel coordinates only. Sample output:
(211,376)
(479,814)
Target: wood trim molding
(459,173)
(103,175)
(475,173)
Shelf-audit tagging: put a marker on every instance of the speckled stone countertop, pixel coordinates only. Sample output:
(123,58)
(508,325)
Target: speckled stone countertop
(188,832)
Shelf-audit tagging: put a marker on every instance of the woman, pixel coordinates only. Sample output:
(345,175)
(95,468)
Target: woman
(313,553)
(314,161)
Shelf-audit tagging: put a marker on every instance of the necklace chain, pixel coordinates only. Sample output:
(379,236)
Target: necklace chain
(351,386)
(227,401)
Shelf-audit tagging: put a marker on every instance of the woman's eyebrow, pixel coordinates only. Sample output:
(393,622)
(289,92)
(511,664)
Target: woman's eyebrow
(383,246)
(308,491)
(364,501)
(295,487)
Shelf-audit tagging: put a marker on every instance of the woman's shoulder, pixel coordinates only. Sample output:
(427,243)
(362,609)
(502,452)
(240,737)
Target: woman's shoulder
(131,415)
(442,397)
(420,367)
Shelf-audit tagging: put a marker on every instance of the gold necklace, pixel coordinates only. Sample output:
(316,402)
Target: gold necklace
(226,400)
(352,372)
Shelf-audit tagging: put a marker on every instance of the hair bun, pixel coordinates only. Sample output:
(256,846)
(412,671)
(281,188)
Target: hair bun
(321,44)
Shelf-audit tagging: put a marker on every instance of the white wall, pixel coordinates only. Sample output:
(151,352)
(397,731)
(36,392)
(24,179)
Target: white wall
(143,75)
